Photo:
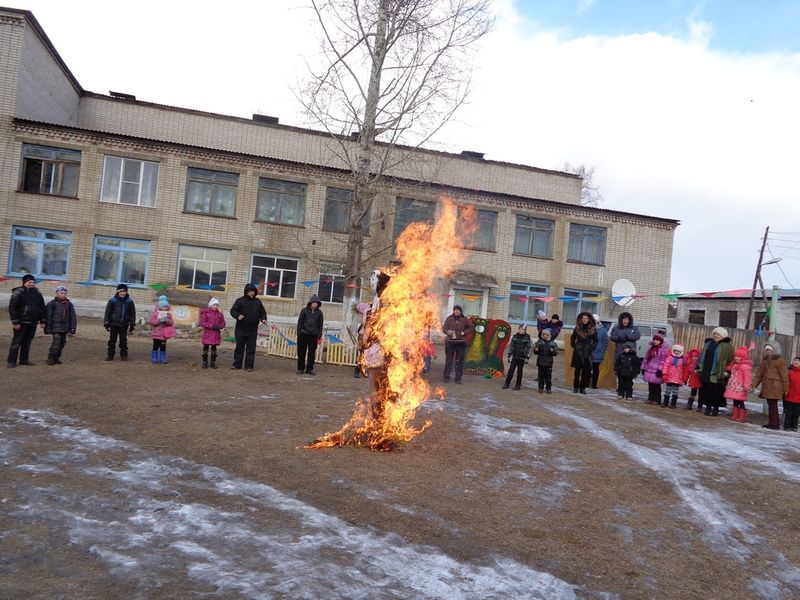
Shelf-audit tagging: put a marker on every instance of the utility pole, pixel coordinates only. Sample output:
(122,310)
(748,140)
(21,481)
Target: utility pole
(756,280)
(772,310)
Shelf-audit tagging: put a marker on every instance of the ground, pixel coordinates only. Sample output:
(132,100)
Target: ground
(130,480)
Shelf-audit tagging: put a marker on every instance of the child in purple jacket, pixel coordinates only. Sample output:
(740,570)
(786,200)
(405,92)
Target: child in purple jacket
(651,368)
(213,322)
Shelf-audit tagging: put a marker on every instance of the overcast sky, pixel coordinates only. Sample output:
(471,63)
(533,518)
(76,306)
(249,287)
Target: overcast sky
(686,109)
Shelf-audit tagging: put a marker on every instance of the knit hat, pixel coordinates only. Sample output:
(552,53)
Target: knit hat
(555,316)
(548,332)
(541,314)
(721,331)
(122,287)
(741,352)
(458,307)
(162,301)
(61,288)
(677,349)
(523,326)
(212,302)
(596,318)
(28,277)
(659,338)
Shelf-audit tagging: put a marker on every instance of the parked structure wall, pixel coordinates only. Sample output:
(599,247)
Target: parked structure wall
(720,309)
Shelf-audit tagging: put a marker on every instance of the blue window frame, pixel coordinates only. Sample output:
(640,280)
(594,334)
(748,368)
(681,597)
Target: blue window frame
(120,260)
(40,252)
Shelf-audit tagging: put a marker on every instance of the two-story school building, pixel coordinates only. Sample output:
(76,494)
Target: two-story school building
(98,189)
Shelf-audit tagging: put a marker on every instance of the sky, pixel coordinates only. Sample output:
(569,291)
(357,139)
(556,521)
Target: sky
(685,109)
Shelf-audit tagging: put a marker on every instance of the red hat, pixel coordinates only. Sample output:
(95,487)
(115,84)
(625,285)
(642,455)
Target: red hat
(741,352)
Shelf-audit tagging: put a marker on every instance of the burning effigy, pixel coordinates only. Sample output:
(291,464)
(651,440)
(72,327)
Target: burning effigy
(395,335)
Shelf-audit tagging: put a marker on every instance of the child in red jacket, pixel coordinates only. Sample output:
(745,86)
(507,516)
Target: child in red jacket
(791,404)
(674,372)
(694,382)
(741,373)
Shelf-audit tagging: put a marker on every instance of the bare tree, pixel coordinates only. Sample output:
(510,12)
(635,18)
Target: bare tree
(590,193)
(390,75)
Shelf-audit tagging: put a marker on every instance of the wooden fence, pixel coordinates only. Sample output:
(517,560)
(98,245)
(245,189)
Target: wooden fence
(692,336)
(283,342)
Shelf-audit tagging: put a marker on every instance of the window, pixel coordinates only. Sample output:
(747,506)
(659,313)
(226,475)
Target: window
(728,318)
(203,268)
(471,301)
(584,303)
(698,317)
(40,252)
(534,236)
(281,202)
(523,303)
(120,260)
(331,283)
(587,244)
(48,170)
(274,276)
(211,192)
(129,181)
(761,321)
(338,206)
(797,323)
(408,210)
(486,229)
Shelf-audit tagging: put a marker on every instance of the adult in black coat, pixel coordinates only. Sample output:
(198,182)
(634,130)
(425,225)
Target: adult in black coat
(625,331)
(309,330)
(583,341)
(249,312)
(26,309)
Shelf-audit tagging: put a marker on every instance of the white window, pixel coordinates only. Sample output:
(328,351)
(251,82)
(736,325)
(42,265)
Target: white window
(331,283)
(203,268)
(583,303)
(472,302)
(120,260)
(587,244)
(129,181)
(52,171)
(281,202)
(485,234)
(534,236)
(211,192)
(408,210)
(524,302)
(274,275)
(40,252)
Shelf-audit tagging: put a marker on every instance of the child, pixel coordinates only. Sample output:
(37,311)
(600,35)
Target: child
(626,367)
(213,322)
(694,379)
(59,321)
(545,349)
(674,372)
(791,404)
(651,369)
(26,309)
(739,383)
(119,320)
(163,329)
(519,352)
(428,351)
(310,326)
(542,323)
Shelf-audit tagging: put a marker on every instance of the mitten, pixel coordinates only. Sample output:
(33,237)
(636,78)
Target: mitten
(130,329)
(107,326)
(659,374)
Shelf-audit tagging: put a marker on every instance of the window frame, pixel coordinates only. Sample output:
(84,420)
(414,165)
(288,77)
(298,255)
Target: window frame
(529,293)
(122,250)
(282,271)
(57,165)
(283,196)
(143,164)
(209,286)
(471,241)
(336,279)
(696,311)
(584,238)
(731,320)
(533,228)
(581,305)
(330,193)
(216,186)
(42,241)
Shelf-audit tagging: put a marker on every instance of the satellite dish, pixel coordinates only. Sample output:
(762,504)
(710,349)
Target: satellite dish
(623,292)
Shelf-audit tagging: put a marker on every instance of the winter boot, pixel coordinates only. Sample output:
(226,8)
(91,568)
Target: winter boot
(205,361)
(110,356)
(665,403)
(162,355)
(517,387)
(213,360)
(715,411)
(735,413)
(574,390)
(506,385)
(673,401)
(742,415)
(707,411)
(689,403)
(154,357)
(699,406)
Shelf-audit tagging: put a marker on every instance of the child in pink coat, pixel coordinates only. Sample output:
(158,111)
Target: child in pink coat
(674,372)
(163,328)
(213,322)
(693,382)
(741,370)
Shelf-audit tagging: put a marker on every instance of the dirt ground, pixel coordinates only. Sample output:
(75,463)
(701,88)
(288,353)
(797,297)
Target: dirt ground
(130,480)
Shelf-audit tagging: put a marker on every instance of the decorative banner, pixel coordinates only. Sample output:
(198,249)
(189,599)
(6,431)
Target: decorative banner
(6,278)
(498,298)
(523,298)
(273,285)
(158,286)
(568,298)
(471,297)
(547,299)
(670,297)
(84,283)
(308,283)
(707,294)
(736,292)
(352,285)
(288,341)
(332,339)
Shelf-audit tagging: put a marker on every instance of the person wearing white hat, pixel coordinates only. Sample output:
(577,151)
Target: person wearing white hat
(213,322)
(716,355)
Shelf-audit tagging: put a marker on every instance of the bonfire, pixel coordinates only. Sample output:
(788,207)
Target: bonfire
(395,335)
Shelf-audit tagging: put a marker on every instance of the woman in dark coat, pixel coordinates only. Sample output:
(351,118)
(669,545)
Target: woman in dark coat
(716,355)
(583,342)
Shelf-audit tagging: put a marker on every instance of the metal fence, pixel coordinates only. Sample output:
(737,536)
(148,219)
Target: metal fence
(692,336)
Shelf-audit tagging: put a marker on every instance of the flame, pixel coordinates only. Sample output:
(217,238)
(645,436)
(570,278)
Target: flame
(400,327)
